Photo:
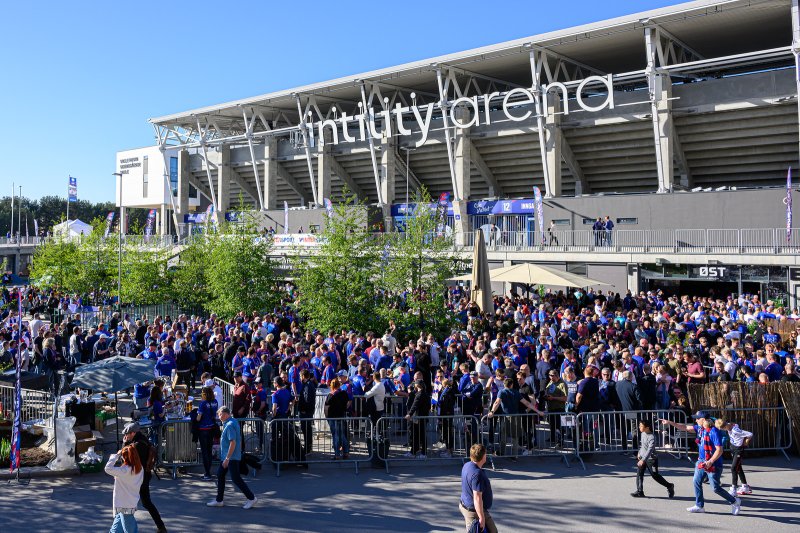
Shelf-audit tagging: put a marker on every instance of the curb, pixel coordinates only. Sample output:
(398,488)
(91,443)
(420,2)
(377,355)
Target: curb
(36,472)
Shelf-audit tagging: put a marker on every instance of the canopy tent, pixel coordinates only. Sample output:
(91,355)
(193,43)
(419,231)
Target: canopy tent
(481,283)
(113,375)
(531,274)
(72,228)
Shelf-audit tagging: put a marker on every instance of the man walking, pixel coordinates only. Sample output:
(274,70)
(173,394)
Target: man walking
(230,449)
(709,461)
(476,491)
(132,435)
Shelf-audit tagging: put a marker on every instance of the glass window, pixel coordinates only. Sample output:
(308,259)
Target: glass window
(577,268)
(173,175)
(675,271)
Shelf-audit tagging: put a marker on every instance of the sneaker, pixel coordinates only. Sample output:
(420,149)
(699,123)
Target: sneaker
(214,503)
(732,491)
(638,494)
(744,489)
(206,478)
(249,503)
(445,455)
(696,509)
(736,506)
(671,491)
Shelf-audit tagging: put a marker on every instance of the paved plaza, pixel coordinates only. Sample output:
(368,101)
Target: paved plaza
(539,494)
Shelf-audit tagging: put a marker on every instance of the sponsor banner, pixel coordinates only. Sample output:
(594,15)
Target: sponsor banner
(537,200)
(523,206)
(109,221)
(72,189)
(296,239)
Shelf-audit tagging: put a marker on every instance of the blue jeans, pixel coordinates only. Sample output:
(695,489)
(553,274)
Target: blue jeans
(714,479)
(339,435)
(124,523)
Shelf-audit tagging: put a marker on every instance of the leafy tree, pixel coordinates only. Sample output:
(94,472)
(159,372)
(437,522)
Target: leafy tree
(338,285)
(420,263)
(55,263)
(189,274)
(97,263)
(146,279)
(240,273)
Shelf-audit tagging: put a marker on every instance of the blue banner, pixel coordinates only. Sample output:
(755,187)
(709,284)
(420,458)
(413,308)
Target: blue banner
(72,189)
(523,206)
(16,428)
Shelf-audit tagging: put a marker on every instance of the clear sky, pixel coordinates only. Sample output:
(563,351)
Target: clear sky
(78,80)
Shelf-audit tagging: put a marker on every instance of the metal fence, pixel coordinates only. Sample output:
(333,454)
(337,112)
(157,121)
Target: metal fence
(618,432)
(320,440)
(766,241)
(771,427)
(91,316)
(227,392)
(531,434)
(177,449)
(36,405)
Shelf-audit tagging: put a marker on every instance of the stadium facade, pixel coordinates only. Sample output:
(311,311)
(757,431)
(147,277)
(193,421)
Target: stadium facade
(678,123)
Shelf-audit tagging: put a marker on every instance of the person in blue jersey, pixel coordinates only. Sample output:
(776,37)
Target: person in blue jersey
(709,461)
(476,492)
(206,423)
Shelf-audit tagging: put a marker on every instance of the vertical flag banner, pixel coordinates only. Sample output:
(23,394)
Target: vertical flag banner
(441,213)
(788,203)
(72,189)
(151,218)
(109,221)
(16,433)
(285,216)
(537,199)
(36,227)
(328,206)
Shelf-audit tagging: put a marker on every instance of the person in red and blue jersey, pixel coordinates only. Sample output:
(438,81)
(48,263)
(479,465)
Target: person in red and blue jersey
(709,461)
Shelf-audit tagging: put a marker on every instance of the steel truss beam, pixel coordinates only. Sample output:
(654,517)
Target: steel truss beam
(554,67)
(581,185)
(343,175)
(412,177)
(307,131)
(488,176)
(249,134)
(290,180)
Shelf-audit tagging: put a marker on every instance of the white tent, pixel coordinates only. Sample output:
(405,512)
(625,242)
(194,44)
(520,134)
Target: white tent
(72,228)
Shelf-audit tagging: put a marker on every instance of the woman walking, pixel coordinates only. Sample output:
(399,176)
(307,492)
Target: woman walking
(207,428)
(739,440)
(128,474)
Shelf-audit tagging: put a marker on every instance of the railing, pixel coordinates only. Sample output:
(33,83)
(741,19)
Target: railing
(771,427)
(20,241)
(227,392)
(320,440)
(618,432)
(531,434)
(93,315)
(36,405)
(176,449)
(768,241)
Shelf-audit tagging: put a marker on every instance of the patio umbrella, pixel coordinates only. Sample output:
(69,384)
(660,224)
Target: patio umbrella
(481,290)
(531,274)
(113,375)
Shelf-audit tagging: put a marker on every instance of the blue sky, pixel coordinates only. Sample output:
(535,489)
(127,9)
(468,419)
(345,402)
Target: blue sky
(80,79)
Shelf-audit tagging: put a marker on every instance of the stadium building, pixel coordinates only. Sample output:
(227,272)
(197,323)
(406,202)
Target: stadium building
(680,124)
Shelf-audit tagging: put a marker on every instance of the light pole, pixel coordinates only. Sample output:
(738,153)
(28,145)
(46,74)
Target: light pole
(19,213)
(119,246)
(408,171)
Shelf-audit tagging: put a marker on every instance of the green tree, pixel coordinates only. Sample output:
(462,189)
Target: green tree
(55,264)
(421,260)
(240,271)
(97,263)
(337,285)
(146,279)
(189,274)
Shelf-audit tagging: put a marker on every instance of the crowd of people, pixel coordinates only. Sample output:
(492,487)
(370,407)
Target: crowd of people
(555,353)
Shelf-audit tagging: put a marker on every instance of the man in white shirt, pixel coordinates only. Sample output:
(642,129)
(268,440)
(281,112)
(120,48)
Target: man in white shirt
(390,343)
(484,369)
(35,325)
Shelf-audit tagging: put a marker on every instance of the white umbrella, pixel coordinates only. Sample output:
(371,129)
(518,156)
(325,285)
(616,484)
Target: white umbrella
(481,283)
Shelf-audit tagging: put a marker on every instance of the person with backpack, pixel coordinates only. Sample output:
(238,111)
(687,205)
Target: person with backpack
(147,457)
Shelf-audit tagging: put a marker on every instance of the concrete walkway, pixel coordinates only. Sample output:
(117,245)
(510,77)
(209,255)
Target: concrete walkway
(539,494)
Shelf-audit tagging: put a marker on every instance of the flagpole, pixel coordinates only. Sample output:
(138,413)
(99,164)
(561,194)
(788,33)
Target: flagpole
(11,230)
(68,177)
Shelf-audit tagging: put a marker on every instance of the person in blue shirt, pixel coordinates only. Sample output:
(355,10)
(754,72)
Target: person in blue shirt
(476,491)
(281,399)
(709,461)
(150,352)
(165,364)
(206,419)
(230,451)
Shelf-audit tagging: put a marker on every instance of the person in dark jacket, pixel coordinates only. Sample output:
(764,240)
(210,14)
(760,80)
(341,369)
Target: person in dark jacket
(306,404)
(630,400)
(132,435)
(647,388)
(421,407)
(447,407)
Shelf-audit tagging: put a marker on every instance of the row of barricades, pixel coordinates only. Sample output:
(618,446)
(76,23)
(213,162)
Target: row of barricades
(386,438)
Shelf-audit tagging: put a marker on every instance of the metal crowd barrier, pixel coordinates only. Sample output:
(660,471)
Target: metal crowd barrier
(176,449)
(36,405)
(771,427)
(417,439)
(531,434)
(227,391)
(618,432)
(311,440)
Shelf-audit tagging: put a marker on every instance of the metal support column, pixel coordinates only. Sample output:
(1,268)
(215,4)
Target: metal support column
(303,126)
(536,88)
(796,51)
(249,135)
(208,167)
(661,126)
(371,142)
(448,139)
(168,190)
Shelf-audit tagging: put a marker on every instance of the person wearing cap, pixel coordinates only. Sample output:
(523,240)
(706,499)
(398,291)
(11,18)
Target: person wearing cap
(132,436)
(150,352)
(101,348)
(230,451)
(709,461)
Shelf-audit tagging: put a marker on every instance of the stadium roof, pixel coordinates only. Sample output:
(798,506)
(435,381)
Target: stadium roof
(709,27)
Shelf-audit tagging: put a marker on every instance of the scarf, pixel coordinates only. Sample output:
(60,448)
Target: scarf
(705,441)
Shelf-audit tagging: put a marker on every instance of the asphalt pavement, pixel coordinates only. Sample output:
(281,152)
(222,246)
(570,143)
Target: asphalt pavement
(532,494)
